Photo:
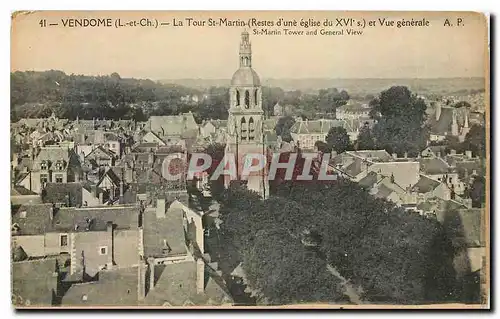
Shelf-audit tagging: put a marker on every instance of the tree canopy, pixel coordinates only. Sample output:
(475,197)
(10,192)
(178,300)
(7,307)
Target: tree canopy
(401,117)
(337,139)
(383,251)
(283,127)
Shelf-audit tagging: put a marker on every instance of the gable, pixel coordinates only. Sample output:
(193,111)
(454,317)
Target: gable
(150,137)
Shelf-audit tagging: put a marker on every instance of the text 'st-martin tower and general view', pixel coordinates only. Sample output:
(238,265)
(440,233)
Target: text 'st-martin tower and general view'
(245,119)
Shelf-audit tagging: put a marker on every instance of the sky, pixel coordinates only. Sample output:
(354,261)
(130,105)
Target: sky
(170,52)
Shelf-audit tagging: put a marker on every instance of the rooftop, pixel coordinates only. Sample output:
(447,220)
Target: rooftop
(164,234)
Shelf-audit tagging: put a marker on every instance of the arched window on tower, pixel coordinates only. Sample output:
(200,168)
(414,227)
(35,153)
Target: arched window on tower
(251,129)
(237,97)
(256,98)
(245,61)
(243,129)
(247,98)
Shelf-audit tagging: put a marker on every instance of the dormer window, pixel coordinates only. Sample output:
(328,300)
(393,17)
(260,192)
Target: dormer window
(44,165)
(59,165)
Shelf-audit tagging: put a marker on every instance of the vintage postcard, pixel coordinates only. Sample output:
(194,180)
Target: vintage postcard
(305,159)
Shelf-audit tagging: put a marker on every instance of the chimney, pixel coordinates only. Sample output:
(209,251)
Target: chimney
(109,230)
(200,276)
(334,154)
(150,158)
(101,198)
(468,202)
(438,154)
(160,208)
(141,280)
(468,154)
(121,188)
(51,213)
(93,188)
(406,155)
(151,263)
(54,284)
(394,155)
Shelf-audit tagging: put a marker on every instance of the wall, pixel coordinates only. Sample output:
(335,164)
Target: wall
(90,243)
(89,198)
(33,246)
(53,244)
(125,246)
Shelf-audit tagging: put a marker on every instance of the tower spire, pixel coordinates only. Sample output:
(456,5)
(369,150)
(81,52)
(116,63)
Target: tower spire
(245,50)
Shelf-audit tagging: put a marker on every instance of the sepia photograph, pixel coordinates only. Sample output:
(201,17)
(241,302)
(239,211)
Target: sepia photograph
(250,159)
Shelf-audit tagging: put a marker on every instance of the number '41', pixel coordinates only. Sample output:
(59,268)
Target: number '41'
(43,23)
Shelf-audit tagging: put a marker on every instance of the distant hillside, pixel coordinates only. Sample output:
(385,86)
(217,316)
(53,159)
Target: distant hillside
(353,86)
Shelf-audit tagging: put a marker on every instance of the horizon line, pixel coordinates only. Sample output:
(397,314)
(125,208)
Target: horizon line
(262,78)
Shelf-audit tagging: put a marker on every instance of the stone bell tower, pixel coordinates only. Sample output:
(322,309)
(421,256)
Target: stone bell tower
(245,130)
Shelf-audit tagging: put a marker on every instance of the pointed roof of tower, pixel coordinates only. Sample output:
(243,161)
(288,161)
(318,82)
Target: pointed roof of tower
(245,75)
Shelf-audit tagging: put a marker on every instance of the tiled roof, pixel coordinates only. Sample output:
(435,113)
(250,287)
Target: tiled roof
(369,180)
(373,155)
(437,149)
(30,281)
(100,150)
(21,191)
(177,285)
(172,125)
(53,154)
(433,166)
(58,192)
(425,185)
(158,230)
(354,168)
(124,217)
(38,218)
(114,288)
(383,191)
(316,126)
(32,219)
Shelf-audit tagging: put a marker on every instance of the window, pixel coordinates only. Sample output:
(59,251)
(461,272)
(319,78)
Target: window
(237,97)
(103,250)
(256,98)
(59,178)
(247,99)
(251,129)
(63,240)
(44,178)
(450,180)
(43,165)
(59,165)
(243,129)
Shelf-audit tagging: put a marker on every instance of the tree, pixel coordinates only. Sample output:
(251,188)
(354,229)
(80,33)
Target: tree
(337,139)
(321,146)
(475,140)
(271,96)
(283,127)
(477,191)
(365,139)
(400,119)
